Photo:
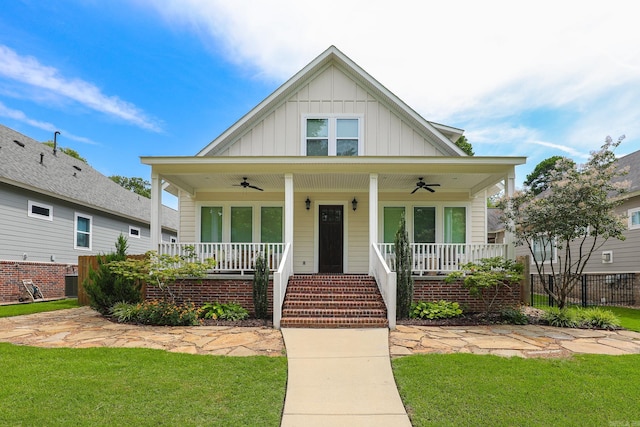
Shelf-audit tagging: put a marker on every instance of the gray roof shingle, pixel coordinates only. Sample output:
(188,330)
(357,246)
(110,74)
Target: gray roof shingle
(633,162)
(32,165)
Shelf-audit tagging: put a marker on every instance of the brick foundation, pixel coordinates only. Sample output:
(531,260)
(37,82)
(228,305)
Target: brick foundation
(436,290)
(49,277)
(224,290)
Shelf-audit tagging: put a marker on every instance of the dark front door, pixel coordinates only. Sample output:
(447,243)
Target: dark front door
(331,239)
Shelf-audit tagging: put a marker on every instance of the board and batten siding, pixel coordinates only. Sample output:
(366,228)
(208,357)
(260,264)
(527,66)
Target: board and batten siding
(40,238)
(280,133)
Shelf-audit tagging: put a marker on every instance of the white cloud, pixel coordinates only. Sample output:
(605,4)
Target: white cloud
(28,71)
(22,117)
(455,61)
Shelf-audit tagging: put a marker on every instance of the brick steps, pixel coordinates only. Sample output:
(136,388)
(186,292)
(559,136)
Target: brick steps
(333,301)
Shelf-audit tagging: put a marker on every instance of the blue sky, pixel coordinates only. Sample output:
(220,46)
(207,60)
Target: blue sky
(127,78)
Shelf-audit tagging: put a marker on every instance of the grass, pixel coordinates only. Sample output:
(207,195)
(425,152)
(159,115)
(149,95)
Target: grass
(37,307)
(109,386)
(465,389)
(629,317)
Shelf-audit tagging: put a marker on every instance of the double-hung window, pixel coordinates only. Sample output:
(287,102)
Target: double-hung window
(332,136)
(634,218)
(83,231)
(211,224)
(455,225)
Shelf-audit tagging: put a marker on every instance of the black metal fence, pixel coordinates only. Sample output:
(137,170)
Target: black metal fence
(591,289)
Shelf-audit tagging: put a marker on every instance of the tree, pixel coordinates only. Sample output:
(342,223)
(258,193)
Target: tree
(260,287)
(563,226)
(465,145)
(137,185)
(404,281)
(538,179)
(104,288)
(68,151)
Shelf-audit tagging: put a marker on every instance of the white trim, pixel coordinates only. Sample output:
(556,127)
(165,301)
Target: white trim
(630,213)
(134,232)
(332,137)
(75,231)
(345,232)
(32,214)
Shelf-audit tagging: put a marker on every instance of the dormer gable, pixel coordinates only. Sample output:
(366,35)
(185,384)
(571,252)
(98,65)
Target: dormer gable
(333,107)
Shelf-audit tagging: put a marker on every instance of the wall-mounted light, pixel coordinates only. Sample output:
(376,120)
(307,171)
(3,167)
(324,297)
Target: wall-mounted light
(307,203)
(53,258)
(607,257)
(354,204)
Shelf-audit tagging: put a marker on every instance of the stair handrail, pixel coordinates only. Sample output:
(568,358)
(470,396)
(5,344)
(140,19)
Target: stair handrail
(387,282)
(280,282)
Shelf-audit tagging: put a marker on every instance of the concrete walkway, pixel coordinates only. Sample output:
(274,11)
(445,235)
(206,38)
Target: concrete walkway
(340,377)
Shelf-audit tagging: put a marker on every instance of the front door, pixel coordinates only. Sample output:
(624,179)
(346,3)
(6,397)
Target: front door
(331,239)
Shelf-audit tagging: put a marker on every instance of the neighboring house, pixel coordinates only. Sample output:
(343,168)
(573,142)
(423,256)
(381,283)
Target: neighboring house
(54,208)
(332,160)
(495,226)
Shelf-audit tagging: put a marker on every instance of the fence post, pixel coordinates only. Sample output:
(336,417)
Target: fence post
(551,299)
(583,280)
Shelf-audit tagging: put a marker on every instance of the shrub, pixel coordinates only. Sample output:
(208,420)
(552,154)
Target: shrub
(125,312)
(562,317)
(573,317)
(104,288)
(404,280)
(599,318)
(260,287)
(223,311)
(157,313)
(435,310)
(513,316)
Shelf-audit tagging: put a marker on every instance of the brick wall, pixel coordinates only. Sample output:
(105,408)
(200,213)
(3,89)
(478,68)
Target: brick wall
(436,290)
(222,290)
(49,277)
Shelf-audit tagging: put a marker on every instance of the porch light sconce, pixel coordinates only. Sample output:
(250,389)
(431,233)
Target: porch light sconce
(607,257)
(307,203)
(354,204)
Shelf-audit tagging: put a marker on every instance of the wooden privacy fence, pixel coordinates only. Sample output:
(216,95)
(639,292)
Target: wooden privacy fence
(91,262)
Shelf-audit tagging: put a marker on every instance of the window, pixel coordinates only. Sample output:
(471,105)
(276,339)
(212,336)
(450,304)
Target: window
(392,216)
(211,224)
(83,232)
(271,224)
(455,225)
(424,225)
(634,218)
(241,224)
(38,210)
(332,136)
(134,232)
(544,250)
(173,240)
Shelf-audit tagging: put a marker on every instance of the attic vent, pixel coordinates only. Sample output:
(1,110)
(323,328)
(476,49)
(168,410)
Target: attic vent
(77,168)
(21,144)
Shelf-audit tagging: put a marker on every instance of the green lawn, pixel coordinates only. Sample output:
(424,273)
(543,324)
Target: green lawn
(37,307)
(141,387)
(473,390)
(629,318)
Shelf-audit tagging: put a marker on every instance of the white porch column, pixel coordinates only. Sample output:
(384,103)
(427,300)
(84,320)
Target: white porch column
(509,187)
(288,208)
(156,211)
(373,217)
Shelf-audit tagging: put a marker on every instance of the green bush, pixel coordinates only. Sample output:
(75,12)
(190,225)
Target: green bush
(513,316)
(104,288)
(435,310)
(599,318)
(157,313)
(260,288)
(223,311)
(574,317)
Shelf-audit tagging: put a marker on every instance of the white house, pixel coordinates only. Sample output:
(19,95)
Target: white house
(318,175)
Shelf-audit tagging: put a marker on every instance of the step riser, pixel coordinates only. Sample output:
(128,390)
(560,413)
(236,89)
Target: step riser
(333,301)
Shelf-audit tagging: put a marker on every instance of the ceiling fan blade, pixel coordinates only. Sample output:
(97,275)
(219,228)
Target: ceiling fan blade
(416,189)
(429,189)
(255,188)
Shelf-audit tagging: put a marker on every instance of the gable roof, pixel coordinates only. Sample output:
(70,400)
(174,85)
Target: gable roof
(440,136)
(29,164)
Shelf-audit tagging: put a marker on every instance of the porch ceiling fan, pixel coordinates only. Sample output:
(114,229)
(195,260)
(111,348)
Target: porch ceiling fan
(421,184)
(245,184)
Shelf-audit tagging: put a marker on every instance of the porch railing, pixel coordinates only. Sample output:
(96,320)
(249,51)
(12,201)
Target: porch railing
(280,282)
(442,257)
(387,282)
(229,257)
